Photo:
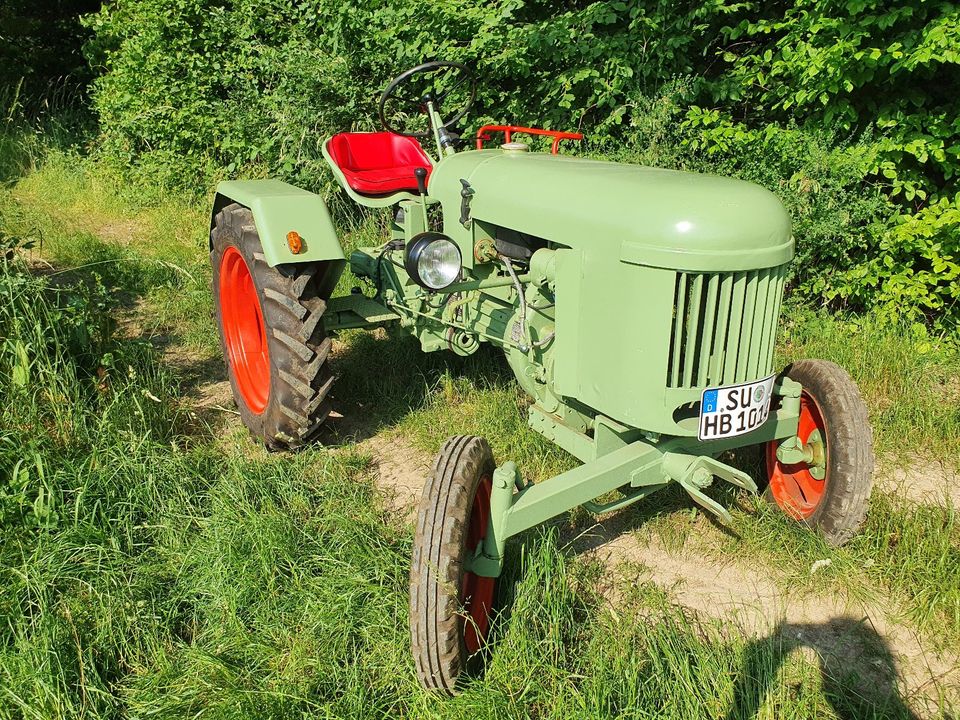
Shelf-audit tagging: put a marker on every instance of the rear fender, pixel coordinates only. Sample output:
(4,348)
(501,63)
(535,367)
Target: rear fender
(279,208)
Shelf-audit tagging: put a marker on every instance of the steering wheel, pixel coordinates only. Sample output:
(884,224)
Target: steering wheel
(408,101)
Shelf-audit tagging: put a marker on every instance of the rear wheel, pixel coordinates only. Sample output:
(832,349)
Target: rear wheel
(451,609)
(829,493)
(271,332)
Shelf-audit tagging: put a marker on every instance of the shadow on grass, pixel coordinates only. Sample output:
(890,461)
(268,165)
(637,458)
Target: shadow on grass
(383,376)
(546,602)
(857,669)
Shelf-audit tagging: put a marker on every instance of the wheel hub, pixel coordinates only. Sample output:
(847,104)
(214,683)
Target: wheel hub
(798,467)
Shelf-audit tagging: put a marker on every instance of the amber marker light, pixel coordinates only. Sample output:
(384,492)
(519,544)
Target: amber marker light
(295,242)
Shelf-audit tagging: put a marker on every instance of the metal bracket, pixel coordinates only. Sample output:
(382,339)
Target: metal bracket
(488,560)
(812,453)
(465,195)
(696,473)
(356,311)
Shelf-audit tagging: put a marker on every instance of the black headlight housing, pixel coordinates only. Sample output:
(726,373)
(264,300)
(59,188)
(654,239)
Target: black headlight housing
(433,260)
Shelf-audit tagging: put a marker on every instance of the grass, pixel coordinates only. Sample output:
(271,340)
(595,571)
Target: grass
(148,568)
(911,383)
(166,578)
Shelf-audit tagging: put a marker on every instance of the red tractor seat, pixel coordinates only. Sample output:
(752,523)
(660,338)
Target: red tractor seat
(378,163)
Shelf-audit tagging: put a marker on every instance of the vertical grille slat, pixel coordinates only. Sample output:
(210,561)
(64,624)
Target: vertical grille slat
(693,329)
(769,324)
(781,280)
(759,324)
(679,304)
(720,335)
(749,307)
(736,322)
(724,327)
(706,336)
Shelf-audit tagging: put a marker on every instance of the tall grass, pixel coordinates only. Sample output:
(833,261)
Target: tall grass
(31,126)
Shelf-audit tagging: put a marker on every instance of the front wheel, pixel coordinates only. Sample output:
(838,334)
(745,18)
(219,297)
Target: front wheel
(450,608)
(830,492)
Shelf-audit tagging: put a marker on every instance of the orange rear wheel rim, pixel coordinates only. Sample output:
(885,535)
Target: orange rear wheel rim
(244,332)
(794,488)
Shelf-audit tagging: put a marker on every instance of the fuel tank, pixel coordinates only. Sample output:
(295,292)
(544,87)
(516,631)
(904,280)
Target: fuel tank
(640,215)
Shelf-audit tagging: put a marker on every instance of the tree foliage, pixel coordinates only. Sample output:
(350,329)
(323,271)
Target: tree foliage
(849,109)
(40,46)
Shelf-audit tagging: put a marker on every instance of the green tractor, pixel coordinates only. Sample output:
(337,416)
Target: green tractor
(637,307)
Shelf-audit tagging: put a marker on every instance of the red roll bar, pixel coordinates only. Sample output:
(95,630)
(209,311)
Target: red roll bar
(508,130)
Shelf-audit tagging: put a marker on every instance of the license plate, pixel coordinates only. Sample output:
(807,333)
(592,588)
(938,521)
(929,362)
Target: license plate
(733,410)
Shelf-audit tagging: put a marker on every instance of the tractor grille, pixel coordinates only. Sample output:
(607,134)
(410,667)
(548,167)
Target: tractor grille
(724,327)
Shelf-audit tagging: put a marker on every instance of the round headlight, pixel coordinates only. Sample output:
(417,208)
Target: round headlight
(433,260)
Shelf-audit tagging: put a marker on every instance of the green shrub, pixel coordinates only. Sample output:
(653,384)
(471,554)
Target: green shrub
(914,273)
(847,109)
(857,63)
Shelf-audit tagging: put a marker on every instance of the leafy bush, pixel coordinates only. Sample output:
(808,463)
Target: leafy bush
(914,274)
(40,44)
(848,109)
(858,62)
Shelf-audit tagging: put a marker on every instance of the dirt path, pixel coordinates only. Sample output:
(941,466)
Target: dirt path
(400,471)
(926,481)
(845,634)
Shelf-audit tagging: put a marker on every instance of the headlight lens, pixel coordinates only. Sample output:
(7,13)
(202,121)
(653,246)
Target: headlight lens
(433,260)
(439,263)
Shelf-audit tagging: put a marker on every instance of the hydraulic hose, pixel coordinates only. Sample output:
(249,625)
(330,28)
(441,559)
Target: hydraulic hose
(525,347)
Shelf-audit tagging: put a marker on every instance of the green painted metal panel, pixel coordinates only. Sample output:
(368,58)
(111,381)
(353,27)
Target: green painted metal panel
(277,209)
(653,273)
(644,216)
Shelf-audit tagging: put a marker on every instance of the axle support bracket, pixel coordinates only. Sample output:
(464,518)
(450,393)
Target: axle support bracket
(696,473)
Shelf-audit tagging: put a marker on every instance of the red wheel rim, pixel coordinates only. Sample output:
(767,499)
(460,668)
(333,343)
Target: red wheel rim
(793,488)
(477,591)
(244,332)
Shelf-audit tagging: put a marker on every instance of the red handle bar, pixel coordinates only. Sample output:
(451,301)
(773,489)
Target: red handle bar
(508,130)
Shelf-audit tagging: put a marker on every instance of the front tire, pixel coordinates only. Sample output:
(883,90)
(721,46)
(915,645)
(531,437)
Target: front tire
(830,497)
(271,334)
(451,610)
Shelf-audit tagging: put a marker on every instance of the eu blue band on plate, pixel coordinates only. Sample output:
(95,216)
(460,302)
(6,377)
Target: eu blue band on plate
(710,401)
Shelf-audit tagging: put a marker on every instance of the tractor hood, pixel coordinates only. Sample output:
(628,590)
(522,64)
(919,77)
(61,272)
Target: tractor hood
(647,216)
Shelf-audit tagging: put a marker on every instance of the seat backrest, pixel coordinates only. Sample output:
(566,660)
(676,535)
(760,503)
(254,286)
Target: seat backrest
(376,151)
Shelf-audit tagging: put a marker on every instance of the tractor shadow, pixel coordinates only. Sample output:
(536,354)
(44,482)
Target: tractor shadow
(855,668)
(383,375)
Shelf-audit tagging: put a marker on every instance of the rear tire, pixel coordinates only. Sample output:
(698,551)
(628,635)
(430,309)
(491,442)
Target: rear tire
(271,333)
(450,609)
(836,504)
